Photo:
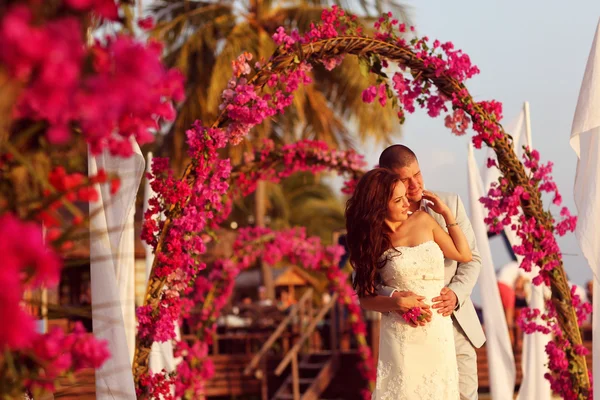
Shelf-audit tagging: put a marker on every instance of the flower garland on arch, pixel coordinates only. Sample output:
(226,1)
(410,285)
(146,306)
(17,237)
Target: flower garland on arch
(435,82)
(273,163)
(212,293)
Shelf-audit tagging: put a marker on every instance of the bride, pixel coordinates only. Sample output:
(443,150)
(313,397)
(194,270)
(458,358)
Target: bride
(417,359)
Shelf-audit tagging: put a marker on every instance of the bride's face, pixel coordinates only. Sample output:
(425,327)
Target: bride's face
(398,204)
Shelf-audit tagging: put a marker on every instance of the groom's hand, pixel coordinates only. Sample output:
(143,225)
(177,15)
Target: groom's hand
(445,302)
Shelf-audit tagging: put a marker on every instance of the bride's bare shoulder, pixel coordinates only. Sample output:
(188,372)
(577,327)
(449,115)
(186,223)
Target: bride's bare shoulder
(422,217)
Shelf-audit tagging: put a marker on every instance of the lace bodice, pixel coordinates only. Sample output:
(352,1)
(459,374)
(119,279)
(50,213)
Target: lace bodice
(419,269)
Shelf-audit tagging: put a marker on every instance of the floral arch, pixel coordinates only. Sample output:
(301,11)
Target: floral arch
(431,75)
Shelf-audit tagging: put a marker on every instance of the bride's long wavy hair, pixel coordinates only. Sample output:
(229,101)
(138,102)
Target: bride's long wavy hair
(368,235)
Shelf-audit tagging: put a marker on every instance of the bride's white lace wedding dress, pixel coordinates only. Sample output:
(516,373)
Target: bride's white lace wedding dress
(416,363)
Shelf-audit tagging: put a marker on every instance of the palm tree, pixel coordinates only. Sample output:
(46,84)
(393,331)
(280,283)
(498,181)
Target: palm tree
(202,37)
(303,199)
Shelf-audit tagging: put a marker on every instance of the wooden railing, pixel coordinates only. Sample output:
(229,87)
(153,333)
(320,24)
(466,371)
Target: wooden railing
(298,308)
(303,310)
(292,355)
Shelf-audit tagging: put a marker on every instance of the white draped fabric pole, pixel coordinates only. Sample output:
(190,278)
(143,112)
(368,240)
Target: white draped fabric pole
(534,357)
(585,141)
(161,354)
(112,260)
(500,355)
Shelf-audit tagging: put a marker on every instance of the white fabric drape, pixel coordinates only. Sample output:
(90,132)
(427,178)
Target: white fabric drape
(585,141)
(112,260)
(534,358)
(501,363)
(161,354)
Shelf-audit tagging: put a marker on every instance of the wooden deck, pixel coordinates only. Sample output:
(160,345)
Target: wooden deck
(230,382)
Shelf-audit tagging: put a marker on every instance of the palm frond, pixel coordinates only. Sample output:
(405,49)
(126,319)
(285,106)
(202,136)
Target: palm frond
(323,122)
(343,87)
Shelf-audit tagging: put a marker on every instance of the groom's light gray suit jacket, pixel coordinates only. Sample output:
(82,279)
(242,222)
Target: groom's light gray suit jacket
(460,277)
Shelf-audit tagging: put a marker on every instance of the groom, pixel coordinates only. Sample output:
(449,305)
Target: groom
(460,278)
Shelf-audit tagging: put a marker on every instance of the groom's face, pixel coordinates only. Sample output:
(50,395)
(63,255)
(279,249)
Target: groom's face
(413,181)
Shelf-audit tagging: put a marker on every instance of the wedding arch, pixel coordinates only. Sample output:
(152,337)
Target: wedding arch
(430,75)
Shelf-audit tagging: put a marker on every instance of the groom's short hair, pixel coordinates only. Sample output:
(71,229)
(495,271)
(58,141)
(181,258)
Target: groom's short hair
(396,156)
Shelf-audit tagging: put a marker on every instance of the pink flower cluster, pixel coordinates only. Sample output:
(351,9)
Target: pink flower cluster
(458,122)
(376,92)
(66,86)
(29,263)
(69,187)
(538,244)
(110,103)
(194,371)
(413,315)
(156,385)
(334,22)
(103,8)
(532,321)
(486,116)
(201,208)
(245,108)
(274,164)
(450,64)
(59,353)
(538,247)
(26,263)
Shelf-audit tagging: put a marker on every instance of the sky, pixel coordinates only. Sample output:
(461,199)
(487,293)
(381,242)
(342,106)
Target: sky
(533,51)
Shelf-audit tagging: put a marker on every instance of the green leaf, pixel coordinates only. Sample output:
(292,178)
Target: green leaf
(365,67)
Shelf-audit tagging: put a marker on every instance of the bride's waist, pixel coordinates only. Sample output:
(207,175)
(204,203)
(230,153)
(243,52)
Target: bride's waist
(409,284)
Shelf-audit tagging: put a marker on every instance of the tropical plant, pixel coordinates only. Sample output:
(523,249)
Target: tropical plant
(304,200)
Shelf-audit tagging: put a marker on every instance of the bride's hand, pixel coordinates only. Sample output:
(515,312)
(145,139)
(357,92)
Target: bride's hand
(409,300)
(405,300)
(435,203)
(405,303)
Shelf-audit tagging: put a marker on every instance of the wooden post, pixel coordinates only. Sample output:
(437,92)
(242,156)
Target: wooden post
(301,312)
(264,387)
(260,198)
(333,328)
(309,320)
(215,343)
(295,377)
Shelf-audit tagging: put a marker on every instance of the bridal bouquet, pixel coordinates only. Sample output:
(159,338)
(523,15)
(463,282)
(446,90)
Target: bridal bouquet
(413,315)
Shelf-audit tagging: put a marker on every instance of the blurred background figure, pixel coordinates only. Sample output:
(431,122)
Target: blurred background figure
(507,296)
(285,300)
(262,297)
(522,292)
